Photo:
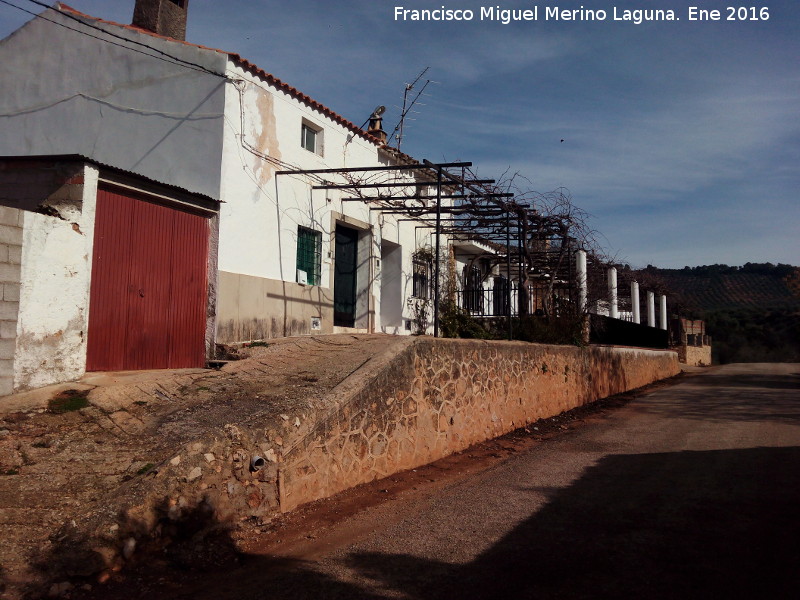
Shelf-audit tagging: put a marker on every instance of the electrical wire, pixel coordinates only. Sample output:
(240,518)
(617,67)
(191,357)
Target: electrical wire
(160,55)
(120,107)
(165,56)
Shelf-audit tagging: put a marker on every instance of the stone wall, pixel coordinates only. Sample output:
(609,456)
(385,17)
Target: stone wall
(418,401)
(10,259)
(441,396)
(696,356)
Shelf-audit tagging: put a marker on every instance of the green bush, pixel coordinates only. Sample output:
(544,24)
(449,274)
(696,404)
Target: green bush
(458,323)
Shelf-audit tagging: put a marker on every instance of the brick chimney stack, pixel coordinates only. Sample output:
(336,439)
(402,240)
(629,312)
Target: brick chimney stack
(164,17)
(376,124)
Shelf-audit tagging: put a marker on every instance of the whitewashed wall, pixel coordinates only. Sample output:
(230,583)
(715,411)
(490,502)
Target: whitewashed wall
(68,93)
(54,293)
(261,211)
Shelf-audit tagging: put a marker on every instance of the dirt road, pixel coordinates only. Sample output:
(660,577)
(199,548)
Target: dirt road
(689,491)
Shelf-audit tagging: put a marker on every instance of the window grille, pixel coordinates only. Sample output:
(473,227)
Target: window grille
(309,254)
(421,285)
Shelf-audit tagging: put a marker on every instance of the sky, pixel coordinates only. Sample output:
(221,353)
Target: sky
(681,138)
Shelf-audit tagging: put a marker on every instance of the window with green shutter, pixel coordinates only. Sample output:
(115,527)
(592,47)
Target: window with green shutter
(309,255)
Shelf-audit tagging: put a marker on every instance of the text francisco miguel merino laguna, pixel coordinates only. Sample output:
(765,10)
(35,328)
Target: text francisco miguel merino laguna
(547,13)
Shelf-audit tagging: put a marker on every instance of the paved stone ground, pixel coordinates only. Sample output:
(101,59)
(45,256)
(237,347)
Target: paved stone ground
(56,467)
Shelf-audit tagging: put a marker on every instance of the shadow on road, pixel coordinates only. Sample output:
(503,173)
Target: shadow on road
(725,398)
(711,524)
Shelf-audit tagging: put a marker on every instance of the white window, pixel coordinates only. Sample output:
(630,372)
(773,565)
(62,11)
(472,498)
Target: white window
(311,137)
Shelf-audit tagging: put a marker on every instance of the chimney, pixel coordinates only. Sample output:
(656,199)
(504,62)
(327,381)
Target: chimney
(164,17)
(376,124)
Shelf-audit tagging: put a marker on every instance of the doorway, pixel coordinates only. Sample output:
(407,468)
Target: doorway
(149,285)
(391,277)
(344,277)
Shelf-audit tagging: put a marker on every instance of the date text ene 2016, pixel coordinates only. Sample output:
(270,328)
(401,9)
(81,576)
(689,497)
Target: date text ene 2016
(732,13)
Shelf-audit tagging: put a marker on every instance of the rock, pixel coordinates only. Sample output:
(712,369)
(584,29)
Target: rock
(194,474)
(209,457)
(128,548)
(59,589)
(232,431)
(175,461)
(271,456)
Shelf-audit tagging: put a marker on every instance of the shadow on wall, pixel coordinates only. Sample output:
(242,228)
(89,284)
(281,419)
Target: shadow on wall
(606,374)
(712,524)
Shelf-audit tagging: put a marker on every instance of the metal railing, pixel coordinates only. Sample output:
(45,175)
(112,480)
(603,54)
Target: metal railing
(502,300)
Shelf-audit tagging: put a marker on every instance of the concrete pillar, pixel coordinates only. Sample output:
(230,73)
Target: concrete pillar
(663,312)
(613,307)
(580,275)
(651,309)
(637,317)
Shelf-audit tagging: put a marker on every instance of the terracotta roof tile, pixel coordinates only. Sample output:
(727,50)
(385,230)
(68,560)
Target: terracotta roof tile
(246,65)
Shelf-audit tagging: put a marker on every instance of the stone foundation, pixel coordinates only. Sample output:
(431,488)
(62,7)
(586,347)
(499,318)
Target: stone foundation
(255,308)
(438,397)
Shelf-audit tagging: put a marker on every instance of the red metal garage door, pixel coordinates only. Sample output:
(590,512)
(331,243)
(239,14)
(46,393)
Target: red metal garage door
(149,286)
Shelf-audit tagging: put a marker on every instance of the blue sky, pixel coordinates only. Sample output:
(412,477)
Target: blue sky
(682,139)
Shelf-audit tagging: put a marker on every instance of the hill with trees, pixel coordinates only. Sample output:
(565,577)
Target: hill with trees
(752,312)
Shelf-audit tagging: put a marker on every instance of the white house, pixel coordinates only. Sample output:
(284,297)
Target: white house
(156,199)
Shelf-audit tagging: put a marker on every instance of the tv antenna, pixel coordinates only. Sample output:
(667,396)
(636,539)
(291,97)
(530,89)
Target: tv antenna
(408,105)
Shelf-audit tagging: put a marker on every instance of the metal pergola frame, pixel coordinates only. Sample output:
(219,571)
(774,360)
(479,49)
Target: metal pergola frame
(474,207)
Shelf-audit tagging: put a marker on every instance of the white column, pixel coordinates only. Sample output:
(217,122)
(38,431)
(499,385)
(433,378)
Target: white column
(613,308)
(637,317)
(651,309)
(663,312)
(580,272)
